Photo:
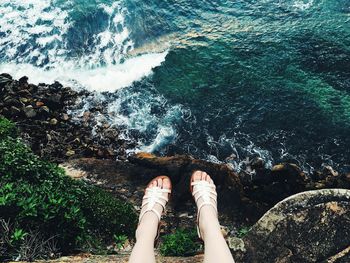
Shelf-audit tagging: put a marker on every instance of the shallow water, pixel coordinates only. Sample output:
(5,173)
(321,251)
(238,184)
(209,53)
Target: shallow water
(210,78)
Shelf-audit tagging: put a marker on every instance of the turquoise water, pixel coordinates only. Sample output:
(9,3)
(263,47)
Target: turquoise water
(210,78)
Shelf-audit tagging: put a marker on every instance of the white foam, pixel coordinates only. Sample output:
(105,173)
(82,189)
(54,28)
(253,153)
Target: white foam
(110,78)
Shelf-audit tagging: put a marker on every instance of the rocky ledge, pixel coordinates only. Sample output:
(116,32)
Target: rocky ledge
(44,116)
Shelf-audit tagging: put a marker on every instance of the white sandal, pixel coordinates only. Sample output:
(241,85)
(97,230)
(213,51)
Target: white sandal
(154,195)
(207,191)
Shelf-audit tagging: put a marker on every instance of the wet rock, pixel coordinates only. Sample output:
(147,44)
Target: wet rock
(53,101)
(5,75)
(257,163)
(44,111)
(39,104)
(65,117)
(23,82)
(311,226)
(53,122)
(29,111)
(14,111)
(24,93)
(70,153)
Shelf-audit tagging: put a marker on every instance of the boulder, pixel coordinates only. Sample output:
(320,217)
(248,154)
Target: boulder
(312,226)
(29,111)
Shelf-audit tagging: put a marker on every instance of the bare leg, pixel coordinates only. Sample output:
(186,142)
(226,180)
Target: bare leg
(143,251)
(215,247)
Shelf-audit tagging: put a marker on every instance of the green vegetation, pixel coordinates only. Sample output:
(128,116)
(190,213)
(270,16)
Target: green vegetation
(243,231)
(39,203)
(183,242)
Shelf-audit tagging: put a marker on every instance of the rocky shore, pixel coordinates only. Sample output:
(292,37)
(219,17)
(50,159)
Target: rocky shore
(48,122)
(44,114)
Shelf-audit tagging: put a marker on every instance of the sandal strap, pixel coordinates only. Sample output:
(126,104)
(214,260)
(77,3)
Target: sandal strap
(206,191)
(153,196)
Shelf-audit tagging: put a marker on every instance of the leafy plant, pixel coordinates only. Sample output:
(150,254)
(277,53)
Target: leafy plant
(7,128)
(183,242)
(120,240)
(243,231)
(37,197)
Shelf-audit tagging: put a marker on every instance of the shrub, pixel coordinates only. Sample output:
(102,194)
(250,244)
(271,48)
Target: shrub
(37,197)
(7,128)
(181,243)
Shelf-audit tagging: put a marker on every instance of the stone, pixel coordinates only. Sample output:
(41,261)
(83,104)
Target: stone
(70,153)
(65,117)
(29,112)
(53,122)
(4,80)
(39,104)
(53,101)
(5,75)
(44,111)
(236,244)
(23,81)
(25,93)
(257,163)
(14,111)
(311,226)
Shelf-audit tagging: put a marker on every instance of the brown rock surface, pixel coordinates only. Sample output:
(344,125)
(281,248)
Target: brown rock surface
(312,226)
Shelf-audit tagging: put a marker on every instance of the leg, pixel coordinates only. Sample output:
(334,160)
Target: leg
(146,233)
(215,247)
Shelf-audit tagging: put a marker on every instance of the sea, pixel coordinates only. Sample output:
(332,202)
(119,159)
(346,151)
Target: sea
(225,81)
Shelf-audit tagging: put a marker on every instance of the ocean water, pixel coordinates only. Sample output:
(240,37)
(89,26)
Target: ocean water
(221,80)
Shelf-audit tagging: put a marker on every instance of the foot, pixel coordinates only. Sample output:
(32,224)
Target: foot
(207,207)
(156,196)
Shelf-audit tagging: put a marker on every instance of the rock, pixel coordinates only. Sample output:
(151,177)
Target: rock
(329,171)
(9,101)
(44,111)
(24,93)
(39,104)
(257,163)
(23,81)
(53,101)
(70,153)
(236,244)
(29,112)
(65,117)
(4,80)
(14,111)
(53,122)
(311,226)
(5,75)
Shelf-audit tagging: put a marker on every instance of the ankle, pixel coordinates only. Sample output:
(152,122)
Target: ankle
(148,227)
(208,221)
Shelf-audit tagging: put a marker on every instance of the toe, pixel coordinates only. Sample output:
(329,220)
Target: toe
(197,175)
(203,176)
(166,183)
(160,182)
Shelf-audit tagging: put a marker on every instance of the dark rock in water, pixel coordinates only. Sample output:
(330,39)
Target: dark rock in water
(257,163)
(29,111)
(4,80)
(53,101)
(5,75)
(311,226)
(23,81)
(56,85)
